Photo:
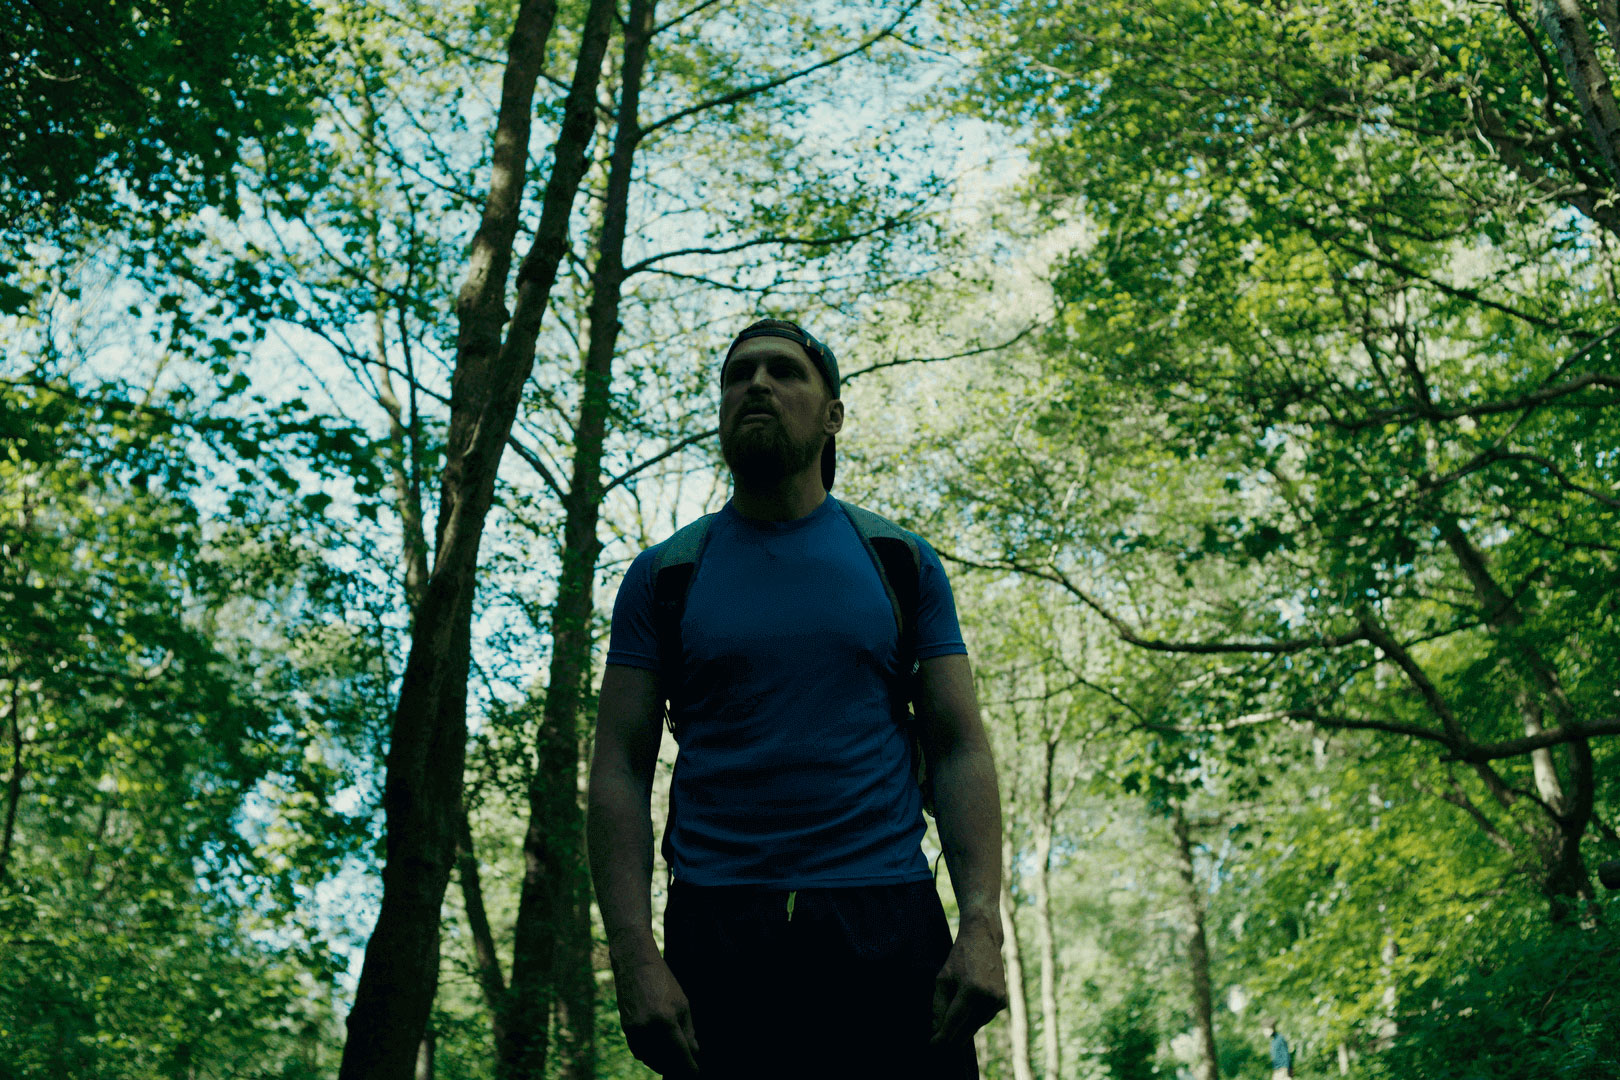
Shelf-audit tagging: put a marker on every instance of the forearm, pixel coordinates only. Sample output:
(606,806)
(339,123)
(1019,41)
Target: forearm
(620,841)
(967,810)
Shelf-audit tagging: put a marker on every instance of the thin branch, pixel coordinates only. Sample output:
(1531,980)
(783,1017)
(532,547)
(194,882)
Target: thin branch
(980,351)
(1415,674)
(1130,636)
(1455,795)
(534,462)
(1354,723)
(696,9)
(488,963)
(782,80)
(1536,459)
(762,241)
(673,449)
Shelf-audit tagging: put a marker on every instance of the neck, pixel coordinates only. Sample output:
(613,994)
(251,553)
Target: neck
(794,497)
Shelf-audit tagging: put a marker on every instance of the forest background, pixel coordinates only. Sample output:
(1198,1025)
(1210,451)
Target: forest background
(1252,365)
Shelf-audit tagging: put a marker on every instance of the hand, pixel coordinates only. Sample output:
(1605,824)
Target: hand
(656,1016)
(970,988)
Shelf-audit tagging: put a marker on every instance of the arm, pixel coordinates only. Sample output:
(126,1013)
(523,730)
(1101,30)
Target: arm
(655,1014)
(972,986)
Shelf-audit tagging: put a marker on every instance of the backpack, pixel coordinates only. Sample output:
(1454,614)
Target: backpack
(898,561)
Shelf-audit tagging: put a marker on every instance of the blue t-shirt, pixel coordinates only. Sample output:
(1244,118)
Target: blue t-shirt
(1281,1058)
(791,770)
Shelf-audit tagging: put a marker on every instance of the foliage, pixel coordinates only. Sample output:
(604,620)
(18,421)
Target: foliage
(1367,368)
(134,113)
(188,724)
(1129,1039)
(1297,498)
(1532,1000)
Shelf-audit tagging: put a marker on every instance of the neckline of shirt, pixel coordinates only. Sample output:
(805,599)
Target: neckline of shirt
(778,527)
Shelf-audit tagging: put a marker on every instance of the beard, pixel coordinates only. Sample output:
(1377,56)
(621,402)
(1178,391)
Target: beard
(763,455)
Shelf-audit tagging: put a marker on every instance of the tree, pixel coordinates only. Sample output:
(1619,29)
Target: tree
(427,748)
(1321,271)
(184,705)
(134,114)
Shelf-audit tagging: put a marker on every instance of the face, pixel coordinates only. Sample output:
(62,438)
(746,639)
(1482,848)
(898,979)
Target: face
(775,411)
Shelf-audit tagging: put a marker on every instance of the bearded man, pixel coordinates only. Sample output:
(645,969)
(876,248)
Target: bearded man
(791,636)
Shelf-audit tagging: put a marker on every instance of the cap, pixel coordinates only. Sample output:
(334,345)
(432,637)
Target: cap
(820,355)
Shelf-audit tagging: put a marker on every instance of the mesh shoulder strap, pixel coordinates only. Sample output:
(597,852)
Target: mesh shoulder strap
(898,560)
(899,564)
(672,581)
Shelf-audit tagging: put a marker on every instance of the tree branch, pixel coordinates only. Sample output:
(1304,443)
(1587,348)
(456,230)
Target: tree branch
(980,351)
(1130,636)
(696,9)
(1455,795)
(746,92)
(534,462)
(656,458)
(1566,733)
(1415,674)
(761,241)
(488,961)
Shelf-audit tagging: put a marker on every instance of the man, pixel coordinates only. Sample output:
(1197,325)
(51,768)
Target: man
(1282,1058)
(803,936)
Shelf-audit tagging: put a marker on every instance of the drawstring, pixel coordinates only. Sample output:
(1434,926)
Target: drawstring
(791,897)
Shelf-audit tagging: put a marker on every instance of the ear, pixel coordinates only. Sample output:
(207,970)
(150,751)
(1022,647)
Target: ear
(833,421)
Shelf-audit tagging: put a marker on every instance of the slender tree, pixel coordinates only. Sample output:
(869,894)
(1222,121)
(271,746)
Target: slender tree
(422,797)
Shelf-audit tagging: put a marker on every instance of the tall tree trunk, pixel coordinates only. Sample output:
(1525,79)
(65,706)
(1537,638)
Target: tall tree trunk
(1566,25)
(14,781)
(1050,1023)
(427,750)
(1565,879)
(1013,956)
(425,1055)
(1205,1067)
(552,975)
(487,959)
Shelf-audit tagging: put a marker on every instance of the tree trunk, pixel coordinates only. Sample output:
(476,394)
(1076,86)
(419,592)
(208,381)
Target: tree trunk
(1565,880)
(552,976)
(1017,1004)
(15,781)
(1566,25)
(1050,1023)
(487,959)
(425,1054)
(427,750)
(1202,1001)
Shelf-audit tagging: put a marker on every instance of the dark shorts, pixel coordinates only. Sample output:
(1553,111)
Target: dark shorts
(842,989)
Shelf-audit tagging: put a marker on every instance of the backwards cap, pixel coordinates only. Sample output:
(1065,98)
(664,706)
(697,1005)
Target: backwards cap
(820,355)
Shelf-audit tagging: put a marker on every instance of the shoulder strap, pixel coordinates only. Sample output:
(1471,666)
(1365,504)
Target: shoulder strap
(899,564)
(898,559)
(672,581)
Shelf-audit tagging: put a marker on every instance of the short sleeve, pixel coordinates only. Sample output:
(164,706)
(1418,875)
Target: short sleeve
(633,641)
(938,633)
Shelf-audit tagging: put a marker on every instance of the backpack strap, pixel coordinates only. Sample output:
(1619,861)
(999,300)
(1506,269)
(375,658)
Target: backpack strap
(672,581)
(898,559)
(899,564)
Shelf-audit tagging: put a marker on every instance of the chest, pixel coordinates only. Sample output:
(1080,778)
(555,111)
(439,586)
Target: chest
(758,603)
